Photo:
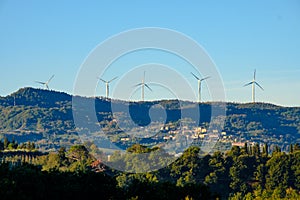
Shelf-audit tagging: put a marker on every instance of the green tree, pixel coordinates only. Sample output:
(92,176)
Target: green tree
(5,142)
(234,152)
(296,147)
(277,149)
(78,153)
(217,179)
(10,146)
(30,146)
(241,173)
(63,160)
(245,149)
(137,148)
(256,150)
(279,173)
(295,167)
(80,159)
(265,151)
(291,148)
(185,169)
(260,176)
(51,162)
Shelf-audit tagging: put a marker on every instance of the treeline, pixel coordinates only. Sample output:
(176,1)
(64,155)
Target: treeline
(248,172)
(13,145)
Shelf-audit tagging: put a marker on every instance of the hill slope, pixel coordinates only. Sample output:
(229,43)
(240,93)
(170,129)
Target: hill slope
(46,117)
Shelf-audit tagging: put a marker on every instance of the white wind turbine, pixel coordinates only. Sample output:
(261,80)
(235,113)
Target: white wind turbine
(253,83)
(46,84)
(107,85)
(143,84)
(199,85)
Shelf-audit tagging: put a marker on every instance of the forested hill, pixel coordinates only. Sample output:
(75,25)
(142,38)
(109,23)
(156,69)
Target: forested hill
(46,117)
(36,97)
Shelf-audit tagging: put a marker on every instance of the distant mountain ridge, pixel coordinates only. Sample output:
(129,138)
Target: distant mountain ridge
(46,117)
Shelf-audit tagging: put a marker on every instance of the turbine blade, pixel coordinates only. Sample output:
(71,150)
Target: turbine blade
(50,78)
(148,87)
(102,80)
(254,76)
(40,82)
(137,85)
(47,86)
(195,76)
(205,78)
(112,79)
(248,84)
(259,85)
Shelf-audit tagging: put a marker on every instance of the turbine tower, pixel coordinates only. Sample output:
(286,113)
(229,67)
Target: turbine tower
(143,84)
(107,85)
(46,84)
(199,85)
(253,83)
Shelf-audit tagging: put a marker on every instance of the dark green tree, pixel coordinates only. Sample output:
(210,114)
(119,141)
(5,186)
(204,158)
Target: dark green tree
(256,150)
(265,151)
(217,179)
(5,142)
(279,173)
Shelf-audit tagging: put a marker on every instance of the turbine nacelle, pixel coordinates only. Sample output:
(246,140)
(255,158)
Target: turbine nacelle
(253,83)
(199,84)
(107,84)
(142,85)
(46,84)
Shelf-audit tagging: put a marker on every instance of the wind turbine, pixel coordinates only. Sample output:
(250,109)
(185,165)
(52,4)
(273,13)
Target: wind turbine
(107,85)
(199,85)
(143,84)
(45,83)
(253,83)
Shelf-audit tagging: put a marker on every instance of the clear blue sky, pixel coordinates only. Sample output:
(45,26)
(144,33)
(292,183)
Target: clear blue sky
(41,38)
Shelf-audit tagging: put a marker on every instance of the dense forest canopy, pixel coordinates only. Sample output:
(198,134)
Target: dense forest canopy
(240,173)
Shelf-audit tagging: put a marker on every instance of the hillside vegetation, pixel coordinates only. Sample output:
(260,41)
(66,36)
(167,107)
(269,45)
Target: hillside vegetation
(46,117)
(238,174)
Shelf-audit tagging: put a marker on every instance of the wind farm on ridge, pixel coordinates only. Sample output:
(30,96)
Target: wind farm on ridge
(143,84)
